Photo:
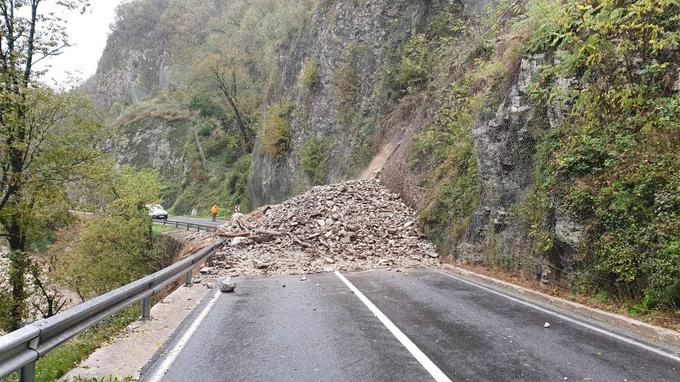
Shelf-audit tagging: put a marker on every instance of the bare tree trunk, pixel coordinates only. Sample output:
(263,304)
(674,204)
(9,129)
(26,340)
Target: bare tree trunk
(200,150)
(227,94)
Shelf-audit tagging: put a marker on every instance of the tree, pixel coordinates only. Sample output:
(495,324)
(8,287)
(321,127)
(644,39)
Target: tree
(116,248)
(47,140)
(222,75)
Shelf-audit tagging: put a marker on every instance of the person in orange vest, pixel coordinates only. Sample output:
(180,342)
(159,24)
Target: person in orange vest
(214,211)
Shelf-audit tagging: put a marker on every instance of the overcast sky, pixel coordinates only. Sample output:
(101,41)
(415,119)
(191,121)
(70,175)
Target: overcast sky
(88,33)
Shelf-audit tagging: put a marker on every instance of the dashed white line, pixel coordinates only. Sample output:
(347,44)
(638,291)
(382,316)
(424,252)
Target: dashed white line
(431,368)
(174,353)
(565,318)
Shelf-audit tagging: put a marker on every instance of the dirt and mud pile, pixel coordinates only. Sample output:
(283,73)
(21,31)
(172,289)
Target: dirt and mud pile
(355,225)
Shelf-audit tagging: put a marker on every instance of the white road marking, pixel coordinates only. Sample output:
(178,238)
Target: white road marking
(174,353)
(565,318)
(431,368)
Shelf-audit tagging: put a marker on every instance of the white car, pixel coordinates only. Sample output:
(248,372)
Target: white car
(156,211)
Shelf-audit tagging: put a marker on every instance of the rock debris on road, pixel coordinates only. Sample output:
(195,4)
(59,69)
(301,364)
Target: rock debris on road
(351,226)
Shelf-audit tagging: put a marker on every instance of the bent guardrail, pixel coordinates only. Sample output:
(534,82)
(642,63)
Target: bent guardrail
(20,349)
(188,225)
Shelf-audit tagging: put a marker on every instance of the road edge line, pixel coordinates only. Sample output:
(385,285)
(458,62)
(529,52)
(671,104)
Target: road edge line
(423,359)
(163,368)
(652,334)
(574,320)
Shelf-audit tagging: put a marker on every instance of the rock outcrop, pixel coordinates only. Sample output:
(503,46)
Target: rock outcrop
(504,146)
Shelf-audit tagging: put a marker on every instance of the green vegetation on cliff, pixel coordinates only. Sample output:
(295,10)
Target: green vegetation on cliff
(609,160)
(191,105)
(276,130)
(614,161)
(314,160)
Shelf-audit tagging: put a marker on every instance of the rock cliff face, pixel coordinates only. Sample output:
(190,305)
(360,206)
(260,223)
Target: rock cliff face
(504,146)
(353,46)
(365,39)
(134,64)
(157,142)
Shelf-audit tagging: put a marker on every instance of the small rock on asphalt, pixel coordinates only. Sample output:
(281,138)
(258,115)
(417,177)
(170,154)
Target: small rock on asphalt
(227,286)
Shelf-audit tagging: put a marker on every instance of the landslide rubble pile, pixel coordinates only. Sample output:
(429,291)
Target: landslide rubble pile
(355,225)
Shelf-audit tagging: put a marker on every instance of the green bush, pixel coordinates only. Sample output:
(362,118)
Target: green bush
(115,248)
(614,161)
(414,67)
(346,90)
(276,130)
(345,82)
(309,76)
(446,153)
(313,158)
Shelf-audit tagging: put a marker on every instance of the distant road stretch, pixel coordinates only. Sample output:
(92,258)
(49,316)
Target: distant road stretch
(203,221)
(421,325)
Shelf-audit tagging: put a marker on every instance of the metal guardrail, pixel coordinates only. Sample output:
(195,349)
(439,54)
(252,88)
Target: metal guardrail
(188,225)
(20,349)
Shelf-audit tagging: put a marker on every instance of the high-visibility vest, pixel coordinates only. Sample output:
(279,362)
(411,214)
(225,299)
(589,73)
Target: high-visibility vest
(215,210)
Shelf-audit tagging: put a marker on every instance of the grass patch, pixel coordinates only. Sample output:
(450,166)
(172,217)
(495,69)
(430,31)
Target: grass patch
(309,76)
(67,356)
(158,229)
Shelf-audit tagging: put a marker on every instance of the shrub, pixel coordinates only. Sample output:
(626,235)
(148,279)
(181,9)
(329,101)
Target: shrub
(309,76)
(276,130)
(346,90)
(227,191)
(414,67)
(446,152)
(313,158)
(345,83)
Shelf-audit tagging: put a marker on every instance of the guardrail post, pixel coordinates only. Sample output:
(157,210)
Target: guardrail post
(187,227)
(210,261)
(27,373)
(189,276)
(146,308)
(198,228)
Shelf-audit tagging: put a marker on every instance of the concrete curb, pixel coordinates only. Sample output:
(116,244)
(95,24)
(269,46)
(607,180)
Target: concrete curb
(654,335)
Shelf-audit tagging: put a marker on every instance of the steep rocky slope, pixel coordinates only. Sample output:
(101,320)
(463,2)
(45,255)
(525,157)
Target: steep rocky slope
(351,49)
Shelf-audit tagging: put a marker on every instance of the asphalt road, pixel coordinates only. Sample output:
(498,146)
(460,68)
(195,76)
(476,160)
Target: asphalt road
(206,221)
(426,324)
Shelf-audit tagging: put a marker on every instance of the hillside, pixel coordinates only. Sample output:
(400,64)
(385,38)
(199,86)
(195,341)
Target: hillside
(538,136)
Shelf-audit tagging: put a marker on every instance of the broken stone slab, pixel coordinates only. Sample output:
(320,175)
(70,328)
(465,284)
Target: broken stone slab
(240,241)
(259,264)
